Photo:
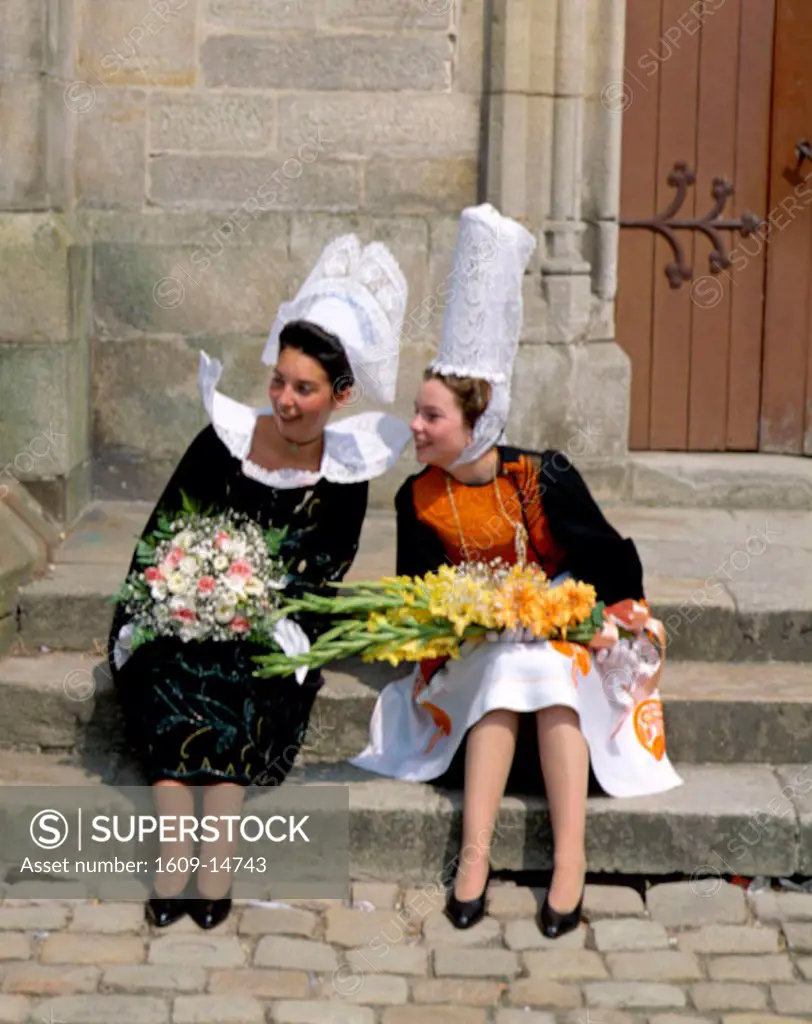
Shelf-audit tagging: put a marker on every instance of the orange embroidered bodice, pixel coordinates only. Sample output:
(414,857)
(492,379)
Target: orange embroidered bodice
(484,526)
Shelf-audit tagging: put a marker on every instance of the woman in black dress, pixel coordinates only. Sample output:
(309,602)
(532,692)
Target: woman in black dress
(194,711)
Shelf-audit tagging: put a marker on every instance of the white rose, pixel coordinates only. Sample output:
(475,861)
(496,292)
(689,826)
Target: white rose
(184,539)
(223,613)
(220,563)
(176,583)
(254,587)
(158,591)
(236,584)
(188,566)
(237,548)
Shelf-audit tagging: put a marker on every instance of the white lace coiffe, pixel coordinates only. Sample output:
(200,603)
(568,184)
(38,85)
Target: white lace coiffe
(358,448)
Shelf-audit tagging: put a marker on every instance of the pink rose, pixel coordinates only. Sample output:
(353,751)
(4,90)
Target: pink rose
(240,625)
(206,584)
(174,558)
(221,540)
(153,573)
(239,567)
(184,615)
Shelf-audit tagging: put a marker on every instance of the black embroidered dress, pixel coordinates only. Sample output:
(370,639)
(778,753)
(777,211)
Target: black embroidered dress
(194,711)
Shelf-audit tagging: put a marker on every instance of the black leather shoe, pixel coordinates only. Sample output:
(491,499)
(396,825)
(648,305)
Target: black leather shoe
(554,924)
(467,913)
(162,911)
(208,913)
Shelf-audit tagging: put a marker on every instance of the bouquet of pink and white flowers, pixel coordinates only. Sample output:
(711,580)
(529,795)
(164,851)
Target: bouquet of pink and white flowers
(205,577)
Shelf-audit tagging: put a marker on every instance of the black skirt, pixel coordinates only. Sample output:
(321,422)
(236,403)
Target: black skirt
(195,713)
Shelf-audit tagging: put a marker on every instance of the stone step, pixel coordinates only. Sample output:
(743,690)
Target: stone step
(71,610)
(740,819)
(729,586)
(714,712)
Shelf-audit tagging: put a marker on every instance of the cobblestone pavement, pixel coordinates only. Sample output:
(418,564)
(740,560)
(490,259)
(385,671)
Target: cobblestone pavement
(390,957)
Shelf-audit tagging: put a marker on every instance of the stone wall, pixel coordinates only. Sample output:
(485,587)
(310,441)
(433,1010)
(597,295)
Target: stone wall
(200,153)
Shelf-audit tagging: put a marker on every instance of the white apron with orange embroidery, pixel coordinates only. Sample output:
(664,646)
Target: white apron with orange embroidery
(416,729)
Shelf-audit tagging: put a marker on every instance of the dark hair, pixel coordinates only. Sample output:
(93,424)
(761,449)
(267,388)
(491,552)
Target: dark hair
(472,394)
(313,341)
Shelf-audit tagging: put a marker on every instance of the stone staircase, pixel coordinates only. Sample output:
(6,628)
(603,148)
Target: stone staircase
(734,588)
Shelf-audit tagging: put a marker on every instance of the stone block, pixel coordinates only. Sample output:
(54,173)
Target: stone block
(458,991)
(263,15)
(255,184)
(310,1012)
(14,1009)
(437,1015)
(730,938)
(208,122)
(277,921)
(382,124)
(477,963)
(14,946)
(617,901)
(371,989)
(632,935)
(692,904)
(138,443)
(44,277)
(385,15)
(565,965)
(470,56)
(658,965)
(92,949)
(394,959)
(263,984)
(525,934)
(541,992)
(61,103)
(44,394)
(751,968)
(22,171)
(42,980)
(22,47)
(232,284)
(103,1009)
(513,901)
(276,951)
(138,42)
(107,918)
(438,931)
(347,62)
(111,149)
(791,998)
(150,977)
(420,187)
(380,895)
(714,995)
(583,391)
(216,951)
(230,1009)
(628,995)
(346,927)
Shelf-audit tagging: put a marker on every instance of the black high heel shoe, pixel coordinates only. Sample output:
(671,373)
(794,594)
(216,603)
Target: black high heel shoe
(466,913)
(553,924)
(163,911)
(208,913)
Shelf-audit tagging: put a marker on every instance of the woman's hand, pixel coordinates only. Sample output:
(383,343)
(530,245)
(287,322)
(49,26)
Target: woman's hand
(606,638)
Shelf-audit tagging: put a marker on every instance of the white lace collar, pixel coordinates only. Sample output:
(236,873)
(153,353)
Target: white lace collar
(358,448)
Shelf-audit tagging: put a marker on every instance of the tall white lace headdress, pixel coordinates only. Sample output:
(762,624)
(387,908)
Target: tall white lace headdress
(359,294)
(483,313)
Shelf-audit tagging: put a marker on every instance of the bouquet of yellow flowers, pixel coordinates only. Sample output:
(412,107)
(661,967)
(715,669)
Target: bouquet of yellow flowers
(405,618)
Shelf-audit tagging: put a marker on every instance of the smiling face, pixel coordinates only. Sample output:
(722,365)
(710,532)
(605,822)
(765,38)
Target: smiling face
(439,428)
(302,396)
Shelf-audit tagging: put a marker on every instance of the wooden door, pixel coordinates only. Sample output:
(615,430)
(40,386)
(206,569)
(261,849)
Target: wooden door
(786,407)
(698,89)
